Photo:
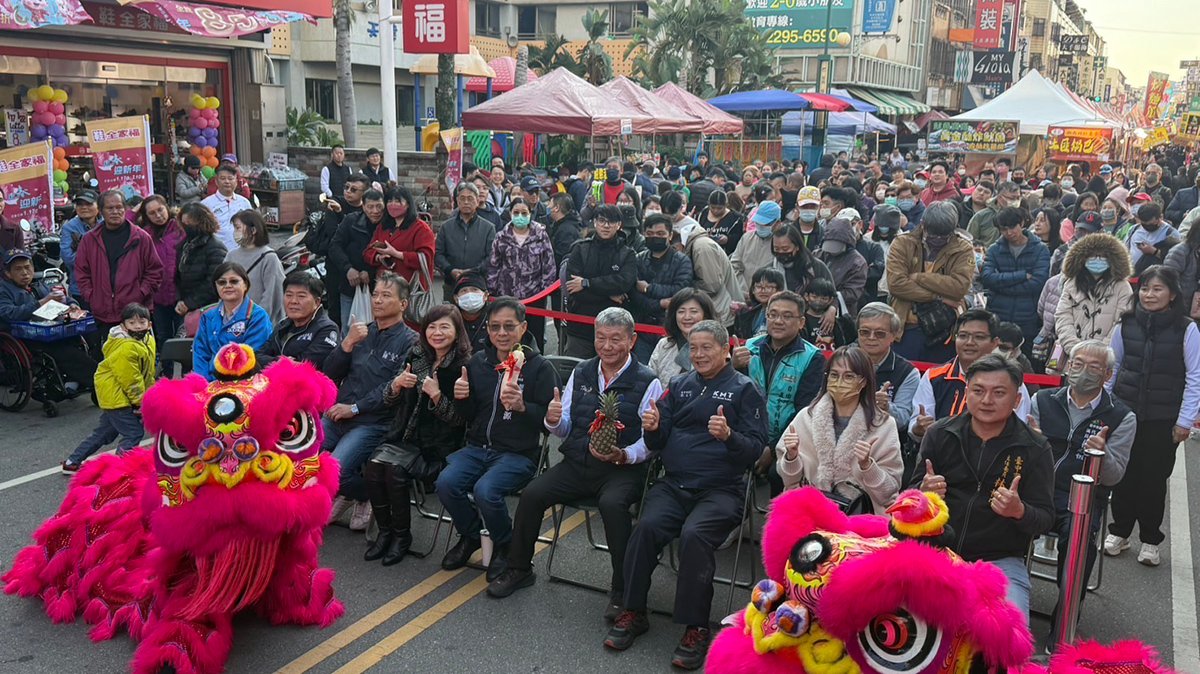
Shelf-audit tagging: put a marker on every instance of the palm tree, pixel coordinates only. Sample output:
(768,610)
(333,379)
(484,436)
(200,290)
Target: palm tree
(551,55)
(343,19)
(446,95)
(521,74)
(597,64)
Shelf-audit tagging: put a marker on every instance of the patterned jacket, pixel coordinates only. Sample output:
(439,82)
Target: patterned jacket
(521,270)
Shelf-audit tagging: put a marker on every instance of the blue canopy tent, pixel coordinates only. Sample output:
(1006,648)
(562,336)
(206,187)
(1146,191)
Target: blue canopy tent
(760,101)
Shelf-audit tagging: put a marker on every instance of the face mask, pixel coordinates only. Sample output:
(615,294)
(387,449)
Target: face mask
(614,178)
(1096,265)
(1085,380)
(1068,184)
(137,334)
(883,230)
(786,260)
(520,221)
(891,201)
(842,391)
(978,260)
(921,182)
(962,172)
(937,241)
(763,231)
(656,244)
(834,247)
(906,204)
(652,211)
(471,302)
(1108,215)
(397,209)
(825,213)
(1151,179)
(881,196)
(808,216)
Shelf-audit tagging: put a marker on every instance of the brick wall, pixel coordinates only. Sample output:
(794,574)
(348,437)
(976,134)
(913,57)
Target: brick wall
(418,171)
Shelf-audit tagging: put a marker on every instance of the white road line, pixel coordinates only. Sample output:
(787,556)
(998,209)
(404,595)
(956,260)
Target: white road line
(1183,585)
(18,481)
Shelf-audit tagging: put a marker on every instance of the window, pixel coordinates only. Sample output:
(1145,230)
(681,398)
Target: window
(404,106)
(1056,33)
(535,21)
(321,97)
(1035,62)
(1039,28)
(623,16)
(487,18)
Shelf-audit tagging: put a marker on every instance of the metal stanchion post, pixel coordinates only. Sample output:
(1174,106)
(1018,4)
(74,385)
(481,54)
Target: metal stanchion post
(1092,458)
(1070,590)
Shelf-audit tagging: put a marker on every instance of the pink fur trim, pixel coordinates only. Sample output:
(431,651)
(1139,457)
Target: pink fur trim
(175,406)
(796,513)
(1064,661)
(293,386)
(732,652)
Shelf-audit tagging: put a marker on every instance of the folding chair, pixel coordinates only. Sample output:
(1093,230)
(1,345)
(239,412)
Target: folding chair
(1032,556)
(176,352)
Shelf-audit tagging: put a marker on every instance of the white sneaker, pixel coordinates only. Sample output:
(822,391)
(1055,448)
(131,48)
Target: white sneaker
(340,505)
(360,516)
(1149,555)
(1115,545)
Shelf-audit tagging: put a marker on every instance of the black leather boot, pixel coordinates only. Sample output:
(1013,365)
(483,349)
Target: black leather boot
(399,543)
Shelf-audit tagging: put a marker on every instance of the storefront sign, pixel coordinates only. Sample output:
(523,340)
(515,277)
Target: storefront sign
(878,16)
(1156,90)
(993,67)
(215,22)
(987,23)
(1189,126)
(801,24)
(989,136)
(16,126)
(1072,143)
(28,14)
(1009,19)
(322,9)
(453,138)
(26,178)
(121,151)
(1158,136)
(1076,44)
(128,18)
(436,26)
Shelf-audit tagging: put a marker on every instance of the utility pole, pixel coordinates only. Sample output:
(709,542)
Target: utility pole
(387,82)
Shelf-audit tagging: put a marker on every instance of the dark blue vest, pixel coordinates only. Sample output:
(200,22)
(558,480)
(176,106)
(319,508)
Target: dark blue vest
(630,388)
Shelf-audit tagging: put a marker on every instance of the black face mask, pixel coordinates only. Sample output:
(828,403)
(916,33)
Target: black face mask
(656,244)
(786,260)
(137,334)
(614,178)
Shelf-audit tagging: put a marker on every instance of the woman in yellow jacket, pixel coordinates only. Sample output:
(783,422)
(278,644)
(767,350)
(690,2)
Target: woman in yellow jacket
(121,380)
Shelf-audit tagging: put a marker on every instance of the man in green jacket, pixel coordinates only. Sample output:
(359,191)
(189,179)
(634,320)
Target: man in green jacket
(982,227)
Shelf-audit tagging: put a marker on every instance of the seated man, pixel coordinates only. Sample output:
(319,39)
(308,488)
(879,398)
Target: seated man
(307,333)
(613,479)
(995,473)
(506,409)
(710,427)
(19,298)
(878,329)
(369,357)
(1073,418)
(942,391)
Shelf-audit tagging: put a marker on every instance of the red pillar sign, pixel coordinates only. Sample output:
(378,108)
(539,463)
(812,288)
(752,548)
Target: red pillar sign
(436,26)
(988,23)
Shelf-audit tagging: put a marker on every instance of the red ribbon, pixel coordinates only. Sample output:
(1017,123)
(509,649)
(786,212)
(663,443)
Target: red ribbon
(599,421)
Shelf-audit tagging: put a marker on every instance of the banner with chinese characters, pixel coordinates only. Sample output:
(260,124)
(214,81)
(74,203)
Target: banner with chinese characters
(1073,143)
(987,136)
(801,24)
(1156,90)
(1159,135)
(1189,126)
(121,152)
(878,16)
(436,26)
(453,138)
(216,22)
(987,24)
(26,178)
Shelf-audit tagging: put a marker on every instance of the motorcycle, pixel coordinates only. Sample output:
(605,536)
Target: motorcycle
(295,256)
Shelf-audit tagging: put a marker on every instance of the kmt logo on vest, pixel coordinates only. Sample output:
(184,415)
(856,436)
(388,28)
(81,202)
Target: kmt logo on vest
(725,396)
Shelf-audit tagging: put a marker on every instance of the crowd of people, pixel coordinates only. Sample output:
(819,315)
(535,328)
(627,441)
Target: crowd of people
(862,327)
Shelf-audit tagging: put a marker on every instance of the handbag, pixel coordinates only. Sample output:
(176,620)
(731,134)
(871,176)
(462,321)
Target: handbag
(937,320)
(420,298)
(860,504)
(411,460)
(191,322)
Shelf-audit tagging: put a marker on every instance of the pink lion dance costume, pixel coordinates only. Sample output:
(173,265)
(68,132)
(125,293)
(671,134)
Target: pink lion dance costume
(857,595)
(224,513)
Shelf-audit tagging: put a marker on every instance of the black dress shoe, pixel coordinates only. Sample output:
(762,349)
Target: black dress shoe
(379,548)
(498,563)
(458,555)
(401,542)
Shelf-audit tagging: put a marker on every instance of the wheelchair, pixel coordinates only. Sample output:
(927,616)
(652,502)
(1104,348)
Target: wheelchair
(26,375)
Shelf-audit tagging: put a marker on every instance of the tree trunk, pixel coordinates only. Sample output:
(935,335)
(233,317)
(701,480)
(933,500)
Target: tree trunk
(522,74)
(447,92)
(345,77)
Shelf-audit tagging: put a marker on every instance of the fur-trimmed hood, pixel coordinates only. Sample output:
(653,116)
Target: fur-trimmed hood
(1098,245)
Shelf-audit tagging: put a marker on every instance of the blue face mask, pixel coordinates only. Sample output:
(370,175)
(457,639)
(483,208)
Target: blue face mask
(1096,265)
(891,201)
(763,231)
(906,204)
(808,216)
(882,230)
(520,221)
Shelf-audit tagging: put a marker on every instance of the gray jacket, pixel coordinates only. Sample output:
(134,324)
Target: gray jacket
(1184,259)
(463,246)
(189,189)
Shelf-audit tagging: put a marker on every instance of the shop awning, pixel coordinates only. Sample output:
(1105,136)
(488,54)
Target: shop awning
(759,101)
(217,22)
(470,64)
(506,75)
(26,15)
(890,102)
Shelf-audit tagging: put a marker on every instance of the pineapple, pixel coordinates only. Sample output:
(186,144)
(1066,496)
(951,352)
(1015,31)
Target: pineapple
(606,426)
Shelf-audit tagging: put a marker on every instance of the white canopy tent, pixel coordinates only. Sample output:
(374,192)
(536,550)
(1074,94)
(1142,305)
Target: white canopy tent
(1037,103)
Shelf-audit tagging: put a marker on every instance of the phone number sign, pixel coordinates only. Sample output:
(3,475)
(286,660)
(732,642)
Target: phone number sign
(801,24)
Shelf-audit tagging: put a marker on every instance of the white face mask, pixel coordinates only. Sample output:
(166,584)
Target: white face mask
(471,302)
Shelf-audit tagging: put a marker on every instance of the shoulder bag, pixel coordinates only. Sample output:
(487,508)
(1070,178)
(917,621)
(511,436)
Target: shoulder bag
(420,297)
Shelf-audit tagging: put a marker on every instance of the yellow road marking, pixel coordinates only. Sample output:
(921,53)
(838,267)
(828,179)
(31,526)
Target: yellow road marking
(392,642)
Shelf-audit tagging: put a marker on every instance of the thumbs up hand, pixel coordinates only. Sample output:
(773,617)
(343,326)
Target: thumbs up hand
(651,417)
(554,409)
(791,443)
(405,379)
(355,335)
(462,387)
(1006,502)
(924,421)
(932,481)
(718,426)
(1098,441)
(883,398)
(862,453)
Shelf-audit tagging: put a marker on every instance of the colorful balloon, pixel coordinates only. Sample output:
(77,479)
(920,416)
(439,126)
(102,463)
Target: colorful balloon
(60,154)
(60,96)
(210,132)
(200,123)
(60,176)
(56,130)
(212,103)
(57,108)
(210,152)
(208,172)
(38,131)
(45,93)
(40,106)
(209,113)
(195,150)
(214,123)
(60,120)
(193,113)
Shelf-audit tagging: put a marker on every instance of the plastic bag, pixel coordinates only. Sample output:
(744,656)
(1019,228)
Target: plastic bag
(360,309)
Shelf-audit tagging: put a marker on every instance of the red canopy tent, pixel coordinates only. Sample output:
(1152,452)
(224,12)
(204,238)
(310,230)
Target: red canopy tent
(558,102)
(665,116)
(715,121)
(506,69)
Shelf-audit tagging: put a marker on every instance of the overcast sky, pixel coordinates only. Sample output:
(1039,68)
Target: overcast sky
(1152,35)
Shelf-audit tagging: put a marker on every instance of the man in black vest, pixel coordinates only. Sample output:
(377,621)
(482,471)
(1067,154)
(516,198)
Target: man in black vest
(878,329)
(1079,416)
(613,480)
(335,173)
(710,427)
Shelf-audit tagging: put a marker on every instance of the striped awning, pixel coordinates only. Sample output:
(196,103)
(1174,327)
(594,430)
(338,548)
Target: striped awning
(890,102)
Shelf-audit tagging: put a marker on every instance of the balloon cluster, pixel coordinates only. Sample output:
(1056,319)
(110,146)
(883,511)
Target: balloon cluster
(60,169)
(49,118)
(202,133)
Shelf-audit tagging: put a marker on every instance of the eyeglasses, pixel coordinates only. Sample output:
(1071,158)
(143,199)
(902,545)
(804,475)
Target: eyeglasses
(1090,367)
(605,223)
(864,333)
(847,378)
(222,282)
(771,287)
(503,327)
(974,336)
(352,189)
(786,318)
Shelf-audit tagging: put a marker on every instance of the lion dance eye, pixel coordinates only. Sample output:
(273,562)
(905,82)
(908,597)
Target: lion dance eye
(899,642)
(299,435)
(169,451)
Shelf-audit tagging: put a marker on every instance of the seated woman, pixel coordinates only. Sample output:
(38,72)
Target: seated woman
(672,356)
(235,318)
(428,425)
(842,442)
